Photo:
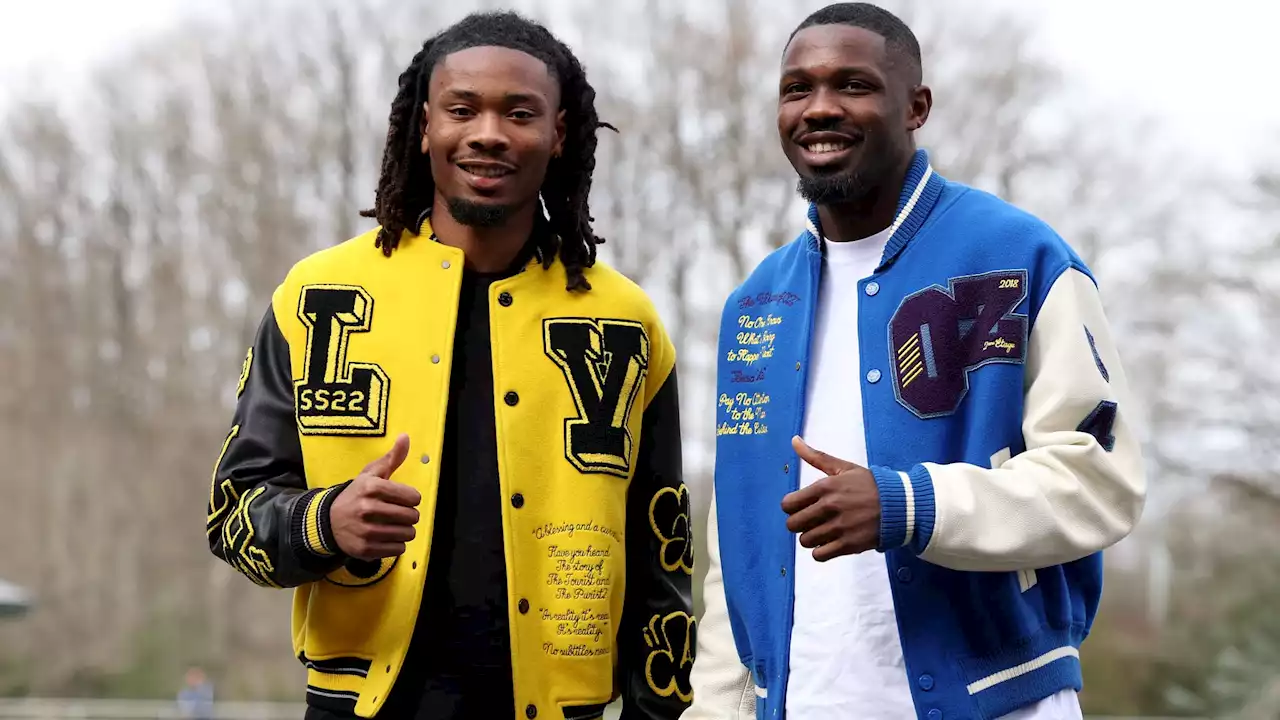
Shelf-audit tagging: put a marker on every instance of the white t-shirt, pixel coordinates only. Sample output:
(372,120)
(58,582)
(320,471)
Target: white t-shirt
(846,657)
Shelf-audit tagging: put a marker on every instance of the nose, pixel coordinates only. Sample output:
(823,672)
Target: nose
(488,134)
(823,108)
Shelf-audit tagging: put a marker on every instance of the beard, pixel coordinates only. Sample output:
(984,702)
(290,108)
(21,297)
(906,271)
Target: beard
(481,215)
(842,189)
(853,186)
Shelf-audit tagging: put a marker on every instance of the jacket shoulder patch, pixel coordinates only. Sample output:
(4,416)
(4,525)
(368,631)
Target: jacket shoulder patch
(337,396)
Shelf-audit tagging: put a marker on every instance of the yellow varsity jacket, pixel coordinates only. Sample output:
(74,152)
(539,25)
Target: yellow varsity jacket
(354,350)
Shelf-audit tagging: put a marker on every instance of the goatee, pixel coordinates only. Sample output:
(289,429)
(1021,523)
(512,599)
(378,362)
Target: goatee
(474,214)
(839,189)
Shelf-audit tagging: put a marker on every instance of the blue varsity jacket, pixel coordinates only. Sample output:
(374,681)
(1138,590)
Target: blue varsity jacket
(997,429)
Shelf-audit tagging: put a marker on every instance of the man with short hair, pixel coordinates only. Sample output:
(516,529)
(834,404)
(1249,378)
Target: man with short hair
(474,566)
(946,359)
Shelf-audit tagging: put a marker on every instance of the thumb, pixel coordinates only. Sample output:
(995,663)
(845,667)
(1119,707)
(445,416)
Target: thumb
(818,459)
(384,466)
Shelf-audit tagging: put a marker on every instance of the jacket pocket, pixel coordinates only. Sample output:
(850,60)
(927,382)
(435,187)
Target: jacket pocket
(354,666)
(584,712)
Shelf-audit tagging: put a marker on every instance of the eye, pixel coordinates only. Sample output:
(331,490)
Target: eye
(460,111)
(522,114)
(856,86)
(795,91)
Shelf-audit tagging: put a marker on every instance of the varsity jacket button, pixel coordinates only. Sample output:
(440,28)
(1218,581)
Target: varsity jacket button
(935,714)
(524,606)
(445,264)
(426,459)
(530,711)
(517,501)
(504,299)
(435,359)
(511,398)
(904,574)
(873,288)
(873,376)
(926,682)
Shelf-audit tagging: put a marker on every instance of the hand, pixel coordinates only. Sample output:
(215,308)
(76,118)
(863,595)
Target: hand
(373,517)
(839,514)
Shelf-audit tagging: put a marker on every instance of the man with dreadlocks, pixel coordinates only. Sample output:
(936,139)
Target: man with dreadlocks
(457,435)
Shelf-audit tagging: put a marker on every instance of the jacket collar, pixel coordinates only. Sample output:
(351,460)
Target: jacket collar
(530,253)
(920,192)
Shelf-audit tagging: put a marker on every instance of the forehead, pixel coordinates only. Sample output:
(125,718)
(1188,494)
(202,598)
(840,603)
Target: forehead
(834,46)
(492,69)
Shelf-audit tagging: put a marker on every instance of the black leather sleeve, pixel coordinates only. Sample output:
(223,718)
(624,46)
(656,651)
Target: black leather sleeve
(656,637)
(263,520)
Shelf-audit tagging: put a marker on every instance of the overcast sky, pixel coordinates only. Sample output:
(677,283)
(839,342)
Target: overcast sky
(1206,70)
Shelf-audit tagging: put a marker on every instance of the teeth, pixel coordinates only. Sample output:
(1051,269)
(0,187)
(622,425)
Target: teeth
(827,147)
(486,171)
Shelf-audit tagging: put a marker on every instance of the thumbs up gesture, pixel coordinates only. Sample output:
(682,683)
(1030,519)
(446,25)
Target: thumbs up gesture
(839,514)
(374,517)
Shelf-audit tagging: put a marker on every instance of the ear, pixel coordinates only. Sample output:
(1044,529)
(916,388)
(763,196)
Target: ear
(919,104)
(558,149)
(426,112)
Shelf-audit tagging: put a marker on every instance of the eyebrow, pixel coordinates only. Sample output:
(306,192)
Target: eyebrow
(510,98)
(842,70)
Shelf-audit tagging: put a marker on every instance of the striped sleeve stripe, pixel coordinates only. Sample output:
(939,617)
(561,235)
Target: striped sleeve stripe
(315,540)
(906,507)
(311,535)
(911,507)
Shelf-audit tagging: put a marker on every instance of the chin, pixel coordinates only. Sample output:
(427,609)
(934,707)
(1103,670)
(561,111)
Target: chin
(831,188)
(480,212)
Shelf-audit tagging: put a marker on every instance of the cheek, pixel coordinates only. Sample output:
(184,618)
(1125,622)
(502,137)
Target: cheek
(535,147)
(442,170)
(787,117)
(442,143)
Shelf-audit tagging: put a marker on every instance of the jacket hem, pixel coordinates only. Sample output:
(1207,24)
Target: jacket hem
(338,702)
(1004,682)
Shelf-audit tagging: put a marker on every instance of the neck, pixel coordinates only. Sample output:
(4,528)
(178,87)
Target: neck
(869,214)
(487,249)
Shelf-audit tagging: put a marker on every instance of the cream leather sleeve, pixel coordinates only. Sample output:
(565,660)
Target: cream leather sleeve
(722,685)
(1080,485)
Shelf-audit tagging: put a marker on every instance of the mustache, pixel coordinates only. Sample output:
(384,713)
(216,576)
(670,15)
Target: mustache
(483,156)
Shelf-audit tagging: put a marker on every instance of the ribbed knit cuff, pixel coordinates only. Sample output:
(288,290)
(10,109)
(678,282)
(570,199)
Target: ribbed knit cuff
(906,508)
(310,532)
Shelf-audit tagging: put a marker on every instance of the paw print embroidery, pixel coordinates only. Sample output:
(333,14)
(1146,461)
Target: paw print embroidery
(669,518)
(672,640)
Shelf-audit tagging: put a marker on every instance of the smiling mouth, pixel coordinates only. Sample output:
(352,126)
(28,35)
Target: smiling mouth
(827,148)
(486,171)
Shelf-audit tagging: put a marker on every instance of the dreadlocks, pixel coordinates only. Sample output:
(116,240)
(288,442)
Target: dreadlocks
(406,188)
